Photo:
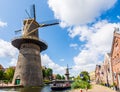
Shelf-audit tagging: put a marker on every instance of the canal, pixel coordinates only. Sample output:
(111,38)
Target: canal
(33,89)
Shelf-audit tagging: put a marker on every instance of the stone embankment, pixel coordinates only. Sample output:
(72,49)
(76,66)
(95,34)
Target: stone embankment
(9,86)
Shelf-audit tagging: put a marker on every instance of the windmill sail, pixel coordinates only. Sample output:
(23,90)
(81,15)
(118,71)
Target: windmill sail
(49,23)
(33,12)
(18,31)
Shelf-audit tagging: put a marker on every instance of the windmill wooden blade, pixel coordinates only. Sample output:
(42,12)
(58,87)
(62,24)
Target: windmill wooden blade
(27,13)
(18,31)
(49,23)
(44,25)
(33,12)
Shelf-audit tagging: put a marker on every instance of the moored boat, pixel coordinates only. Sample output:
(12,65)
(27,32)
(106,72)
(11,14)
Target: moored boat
(60,85)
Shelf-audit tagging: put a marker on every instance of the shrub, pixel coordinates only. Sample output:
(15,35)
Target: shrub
(47,81)
(81,84)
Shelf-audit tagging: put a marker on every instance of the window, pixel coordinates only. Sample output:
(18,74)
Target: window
(114,76)
(102,73)
(108,70)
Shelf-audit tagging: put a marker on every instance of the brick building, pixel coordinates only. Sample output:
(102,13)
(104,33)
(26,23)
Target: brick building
(103,73)
(115,58)
(97,74)
(108,69)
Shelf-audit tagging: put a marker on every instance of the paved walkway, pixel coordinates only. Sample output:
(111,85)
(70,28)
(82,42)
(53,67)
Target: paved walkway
(99,88)
(95,88)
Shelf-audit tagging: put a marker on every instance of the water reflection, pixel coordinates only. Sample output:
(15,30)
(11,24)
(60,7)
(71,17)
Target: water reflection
(33,89)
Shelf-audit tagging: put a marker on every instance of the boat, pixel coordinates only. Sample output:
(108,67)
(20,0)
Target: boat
(60,85)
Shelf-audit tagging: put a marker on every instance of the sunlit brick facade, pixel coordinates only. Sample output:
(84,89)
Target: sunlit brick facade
(108,69)
(115,57)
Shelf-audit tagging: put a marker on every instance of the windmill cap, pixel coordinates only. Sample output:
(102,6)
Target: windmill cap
(29,21)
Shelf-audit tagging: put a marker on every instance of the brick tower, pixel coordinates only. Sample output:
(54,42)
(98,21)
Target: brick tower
(28,70)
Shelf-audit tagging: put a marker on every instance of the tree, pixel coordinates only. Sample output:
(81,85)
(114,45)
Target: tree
(1,74)
(43,72)
(47,73)
(80,84)
(58,76)
(9,73)
(63,77)
(86,76)
(82,81)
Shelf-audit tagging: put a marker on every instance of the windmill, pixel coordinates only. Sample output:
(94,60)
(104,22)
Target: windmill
(32,16)
(67,72)
(28,70)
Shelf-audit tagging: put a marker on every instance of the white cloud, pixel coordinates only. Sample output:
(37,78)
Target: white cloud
(98,40)
(6,49)
(13,62)
(2,24)
(74,45)
(75,12)
(46,61)
(118,17)
(8,53)
(78,31)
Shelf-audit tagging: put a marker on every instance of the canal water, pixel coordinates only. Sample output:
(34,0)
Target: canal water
(34,89)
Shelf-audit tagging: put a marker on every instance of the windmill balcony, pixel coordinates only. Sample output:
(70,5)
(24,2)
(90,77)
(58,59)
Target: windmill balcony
(17,41)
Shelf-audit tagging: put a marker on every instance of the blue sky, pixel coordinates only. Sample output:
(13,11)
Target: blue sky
(81,40)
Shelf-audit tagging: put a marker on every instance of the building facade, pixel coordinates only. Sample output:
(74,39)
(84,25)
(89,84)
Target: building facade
(103,72)
(92,76)
(115,58)
(97,74)
(108,69)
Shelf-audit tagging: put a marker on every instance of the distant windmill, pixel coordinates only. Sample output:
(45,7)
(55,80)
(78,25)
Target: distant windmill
(67,72)
(28,70)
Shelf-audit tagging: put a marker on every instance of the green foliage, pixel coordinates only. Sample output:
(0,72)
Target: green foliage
(9,73)
(43,72)
(86,76)
(1,74)
(47,81)
(6,81)
(78,78)
(58,76)
(47,73)
(63,77)
(102,83)
(81,84)
(114,84)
